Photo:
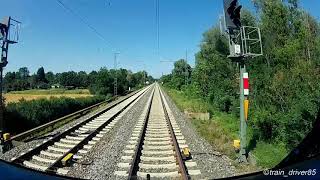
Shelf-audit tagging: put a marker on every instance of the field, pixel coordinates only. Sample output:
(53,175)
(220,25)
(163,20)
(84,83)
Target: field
(15,96)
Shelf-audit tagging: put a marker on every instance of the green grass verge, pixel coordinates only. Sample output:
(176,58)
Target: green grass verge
(183,102)
(51,91)
(223,128)
(269,155)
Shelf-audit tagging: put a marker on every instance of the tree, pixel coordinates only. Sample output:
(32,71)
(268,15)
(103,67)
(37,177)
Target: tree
(99,82)
(285,79)
(181,71)
(102,82)
(50,77)
(69,78)
(41,76)
(284,83)
(123,84)
(83,79)
(214,75)
(150,79)
(9,80)
(23,73)
(166,79)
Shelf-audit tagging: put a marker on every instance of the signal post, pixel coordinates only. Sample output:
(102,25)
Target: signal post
(9,34)
(244,44)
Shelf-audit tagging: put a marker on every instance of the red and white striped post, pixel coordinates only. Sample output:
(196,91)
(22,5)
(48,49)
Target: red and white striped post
(245,84)
(244,104)
(246,94)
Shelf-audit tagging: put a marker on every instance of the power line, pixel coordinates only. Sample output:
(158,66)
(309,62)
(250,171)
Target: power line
(83,20)
(158,26)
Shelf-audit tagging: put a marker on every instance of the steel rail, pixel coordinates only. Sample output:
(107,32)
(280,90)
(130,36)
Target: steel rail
(182,166)
(57,163)
(138,152)
(54,139)
(24,135)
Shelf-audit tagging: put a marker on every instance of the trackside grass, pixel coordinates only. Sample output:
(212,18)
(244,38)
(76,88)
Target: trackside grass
(223,128)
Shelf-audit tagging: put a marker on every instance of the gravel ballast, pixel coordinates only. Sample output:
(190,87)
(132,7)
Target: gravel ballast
(212,164)
(101,160)
(105,155)
(20,147)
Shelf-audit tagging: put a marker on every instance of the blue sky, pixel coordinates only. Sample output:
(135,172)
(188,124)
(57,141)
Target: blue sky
(59,41)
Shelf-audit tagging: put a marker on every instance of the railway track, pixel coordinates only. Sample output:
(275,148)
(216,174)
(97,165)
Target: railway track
(78,140)
(154,148)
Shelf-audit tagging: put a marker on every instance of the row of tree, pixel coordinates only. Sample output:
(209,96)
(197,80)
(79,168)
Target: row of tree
(98,82)
(36,112)
(285,88)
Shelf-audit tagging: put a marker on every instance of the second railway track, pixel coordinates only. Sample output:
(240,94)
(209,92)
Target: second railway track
(154,149)
(77,140)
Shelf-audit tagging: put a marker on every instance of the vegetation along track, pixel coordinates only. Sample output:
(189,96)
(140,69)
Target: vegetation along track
(154,149)
(77,140)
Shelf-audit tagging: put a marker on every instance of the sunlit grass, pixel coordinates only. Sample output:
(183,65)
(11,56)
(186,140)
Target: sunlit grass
(183,102)
(219,131)
(269,155)
(15,96)
(223,128)
(51,91)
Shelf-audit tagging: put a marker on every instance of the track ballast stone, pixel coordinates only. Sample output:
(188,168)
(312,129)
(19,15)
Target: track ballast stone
(23,147)
(211,164)
(101,161)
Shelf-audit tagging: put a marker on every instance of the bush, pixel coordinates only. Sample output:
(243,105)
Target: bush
(23,115)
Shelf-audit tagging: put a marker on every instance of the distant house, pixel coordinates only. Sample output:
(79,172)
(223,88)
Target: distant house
(69,87)
(53,86)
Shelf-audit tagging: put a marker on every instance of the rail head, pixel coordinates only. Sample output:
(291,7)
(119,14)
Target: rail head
(57,162)
(135,163)
(180,161)
(134,167)
(51,141)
